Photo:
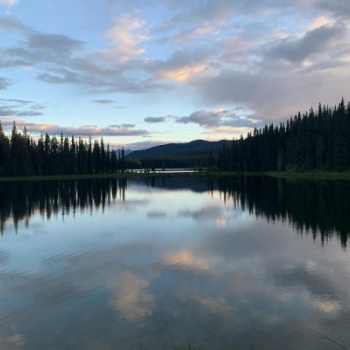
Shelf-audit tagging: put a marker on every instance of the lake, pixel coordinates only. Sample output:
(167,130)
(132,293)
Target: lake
(222,263)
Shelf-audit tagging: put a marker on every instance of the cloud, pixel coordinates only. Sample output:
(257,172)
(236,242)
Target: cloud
(61,59)
(219,117)
(313,42)
(202,30)
(12,113)
(275,92)
(19,108)
(104,102)
(183,65)
(83,131)
(123,126)
(216,11)
(214,53)
(184,73)
(126,36)
(16,57)
(155,119)
(320,21)
(4,83)
(8,2)
(339,8)
(15,100)
(58,44)
(10,22)
(224,131)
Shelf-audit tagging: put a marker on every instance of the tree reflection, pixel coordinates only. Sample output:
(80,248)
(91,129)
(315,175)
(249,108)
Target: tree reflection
(317,207)
(20,200)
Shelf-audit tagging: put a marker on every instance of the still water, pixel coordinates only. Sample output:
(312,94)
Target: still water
(226,263)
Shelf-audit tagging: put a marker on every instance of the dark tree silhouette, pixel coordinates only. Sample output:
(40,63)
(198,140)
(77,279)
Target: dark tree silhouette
(312,141)
(22,156)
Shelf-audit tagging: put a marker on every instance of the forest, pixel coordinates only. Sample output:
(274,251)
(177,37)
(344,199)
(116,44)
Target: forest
(20,155)
(316,140)
(312,141)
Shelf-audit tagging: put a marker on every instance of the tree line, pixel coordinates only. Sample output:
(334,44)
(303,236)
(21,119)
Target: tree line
(20,155)
(316,140)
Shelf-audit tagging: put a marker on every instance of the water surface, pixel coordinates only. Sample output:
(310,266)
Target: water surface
(226,263)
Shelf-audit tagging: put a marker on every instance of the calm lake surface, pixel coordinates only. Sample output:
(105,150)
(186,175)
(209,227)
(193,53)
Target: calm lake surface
(225,263)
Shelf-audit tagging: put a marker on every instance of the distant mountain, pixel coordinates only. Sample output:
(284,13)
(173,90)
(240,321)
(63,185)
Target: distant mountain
(126,151)
(175,148)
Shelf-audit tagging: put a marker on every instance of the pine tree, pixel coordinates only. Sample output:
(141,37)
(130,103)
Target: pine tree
(123,164)
(96,155)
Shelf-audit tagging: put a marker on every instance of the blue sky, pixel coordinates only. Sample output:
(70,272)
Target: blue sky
(142,73)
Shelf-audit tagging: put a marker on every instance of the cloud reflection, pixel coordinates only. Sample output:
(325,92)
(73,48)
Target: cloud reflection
(12,342)
(156,214)
(186,260)
(130,297)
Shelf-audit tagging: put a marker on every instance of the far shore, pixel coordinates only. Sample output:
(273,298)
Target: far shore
(290,175)
(130,175)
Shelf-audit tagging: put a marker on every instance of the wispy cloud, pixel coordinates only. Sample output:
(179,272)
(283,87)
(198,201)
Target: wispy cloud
(10,23)
(222,132)
(8,2)
(4,83)
(219,117)
(104,102)
(19,108)
(155,119)
(83,131)
(123,126)
(54,43)
(184,73)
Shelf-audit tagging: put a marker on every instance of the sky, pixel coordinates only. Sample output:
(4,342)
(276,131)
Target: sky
(140,73)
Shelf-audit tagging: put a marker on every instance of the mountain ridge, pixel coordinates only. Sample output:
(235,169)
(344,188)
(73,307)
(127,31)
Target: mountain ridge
(174,148)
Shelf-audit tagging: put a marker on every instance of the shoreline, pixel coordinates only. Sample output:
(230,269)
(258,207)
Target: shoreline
(132,175)
(128,175)
(290,175)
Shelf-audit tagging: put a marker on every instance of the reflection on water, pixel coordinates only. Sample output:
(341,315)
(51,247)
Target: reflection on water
(21,200)
(312,206)
(225,263)
(318,207)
